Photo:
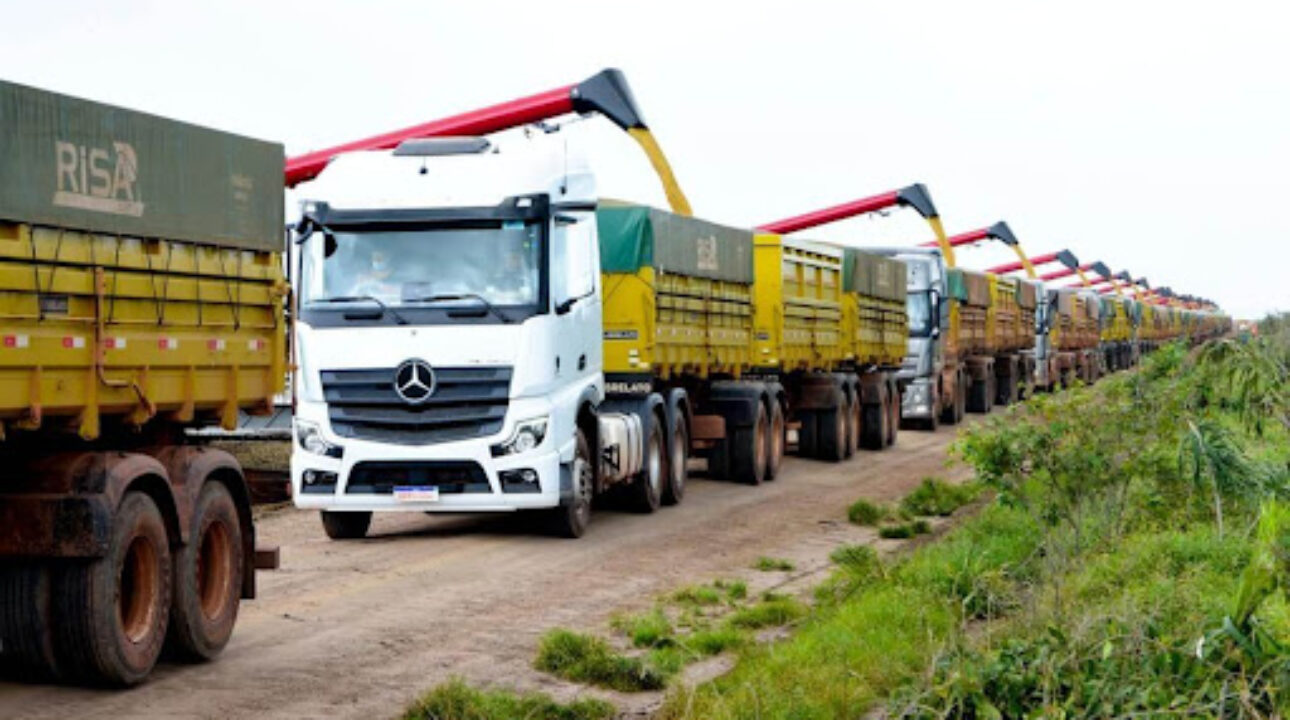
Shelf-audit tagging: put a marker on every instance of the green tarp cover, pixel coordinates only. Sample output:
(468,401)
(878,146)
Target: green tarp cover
(635,236)
(970,287)
(72,163)
(873,275)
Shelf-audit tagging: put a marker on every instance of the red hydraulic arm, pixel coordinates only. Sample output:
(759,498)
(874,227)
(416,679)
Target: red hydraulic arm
(998,231)
(914,196)
(606,93)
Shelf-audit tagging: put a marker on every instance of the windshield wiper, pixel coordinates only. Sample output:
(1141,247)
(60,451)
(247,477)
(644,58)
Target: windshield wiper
(464,296)
(368,298)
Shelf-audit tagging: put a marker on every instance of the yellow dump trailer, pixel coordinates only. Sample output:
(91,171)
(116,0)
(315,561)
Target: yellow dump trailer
(752,335)
(105,328)
(141,294)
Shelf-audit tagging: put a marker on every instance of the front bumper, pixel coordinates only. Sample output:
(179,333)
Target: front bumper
(916,400)
(544,460)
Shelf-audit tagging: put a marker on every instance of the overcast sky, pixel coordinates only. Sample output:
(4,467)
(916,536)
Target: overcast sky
(1151,135)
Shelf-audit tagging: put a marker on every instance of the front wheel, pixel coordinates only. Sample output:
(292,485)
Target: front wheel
(346,525)
(570,520)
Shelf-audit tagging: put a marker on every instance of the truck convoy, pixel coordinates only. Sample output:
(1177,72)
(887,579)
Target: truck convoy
(536,346)
(474,328)
(141,291)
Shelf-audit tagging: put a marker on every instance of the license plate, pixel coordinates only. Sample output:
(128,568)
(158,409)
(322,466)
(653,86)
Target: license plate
(416,493)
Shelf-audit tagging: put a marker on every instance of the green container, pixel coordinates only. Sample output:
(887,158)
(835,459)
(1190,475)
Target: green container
(77,164)
(872,275)
(636,236)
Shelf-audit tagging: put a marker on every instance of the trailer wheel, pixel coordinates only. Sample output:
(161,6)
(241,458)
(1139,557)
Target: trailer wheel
(749,450)
(855,422)
(113,610)
(341,525)
(208,578)
(647,489)
(893,415)
(677,472)
(833,430)
(26,628)
(775,451)
(808,434)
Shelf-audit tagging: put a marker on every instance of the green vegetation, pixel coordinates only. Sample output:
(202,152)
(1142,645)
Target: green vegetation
(863,512)
(770,564)
(767,613)
(1136,561)
(583,658)
(647,630)
(454,700)
(938,498)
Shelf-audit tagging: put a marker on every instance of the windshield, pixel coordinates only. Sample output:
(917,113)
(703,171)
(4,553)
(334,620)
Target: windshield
(427,266)
(919,307)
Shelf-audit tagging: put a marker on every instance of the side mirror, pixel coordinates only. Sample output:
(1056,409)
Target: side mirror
(564,307)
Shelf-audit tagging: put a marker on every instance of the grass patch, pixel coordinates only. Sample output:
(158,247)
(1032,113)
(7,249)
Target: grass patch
(863,512)
(767,613)
(770,564)
(697,595)
(587,659)
(454,700)
(645,630)
(713,641)
(936,497)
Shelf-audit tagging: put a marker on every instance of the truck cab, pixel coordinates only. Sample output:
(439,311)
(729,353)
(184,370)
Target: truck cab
(930,383)
(447,333)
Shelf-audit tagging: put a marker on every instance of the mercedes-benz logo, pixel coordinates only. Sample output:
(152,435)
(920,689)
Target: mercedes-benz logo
(414,381)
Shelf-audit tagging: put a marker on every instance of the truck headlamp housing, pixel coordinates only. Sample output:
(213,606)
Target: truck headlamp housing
(528,435)
(311,440)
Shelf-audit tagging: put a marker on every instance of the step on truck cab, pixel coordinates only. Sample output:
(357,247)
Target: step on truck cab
(141,295)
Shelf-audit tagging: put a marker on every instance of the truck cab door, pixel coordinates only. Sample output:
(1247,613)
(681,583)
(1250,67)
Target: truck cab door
(576,291)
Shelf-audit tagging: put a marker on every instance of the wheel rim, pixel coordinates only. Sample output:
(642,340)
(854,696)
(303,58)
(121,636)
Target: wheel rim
(842,434)
(678,461)
(777,440)
(853,439)
(137,594)
(215,569)
(654,466)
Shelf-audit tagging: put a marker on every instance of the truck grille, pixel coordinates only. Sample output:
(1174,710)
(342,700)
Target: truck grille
(452,478)
(467,403)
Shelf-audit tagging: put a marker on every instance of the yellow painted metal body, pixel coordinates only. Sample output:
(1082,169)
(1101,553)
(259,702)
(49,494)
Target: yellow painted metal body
(795,316)
(1006,327)
(147,330)
(668,324)
(800,304)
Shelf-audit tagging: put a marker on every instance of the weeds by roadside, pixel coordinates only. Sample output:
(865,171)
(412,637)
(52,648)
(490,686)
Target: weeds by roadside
(454,700)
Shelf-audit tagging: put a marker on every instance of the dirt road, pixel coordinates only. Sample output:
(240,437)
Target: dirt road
(357,629)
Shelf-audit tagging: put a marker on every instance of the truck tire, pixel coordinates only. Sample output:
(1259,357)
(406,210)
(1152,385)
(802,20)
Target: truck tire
(855,422)
(342,525)
(678,460)
(570,520)
(808,434)
(833,430)
(978,400)
(775,449)
(749,450)
(893,415)
(874,431)
(26,627)
(208,578)
(113,610)
(646,491)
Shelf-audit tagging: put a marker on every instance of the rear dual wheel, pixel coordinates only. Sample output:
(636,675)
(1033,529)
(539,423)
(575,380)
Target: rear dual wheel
(831,425)
(208,577)
(113,611)
(647,490)
(775,443)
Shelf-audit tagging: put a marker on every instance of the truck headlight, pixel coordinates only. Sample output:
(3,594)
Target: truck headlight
(310,437)
(528,435)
